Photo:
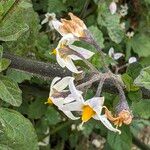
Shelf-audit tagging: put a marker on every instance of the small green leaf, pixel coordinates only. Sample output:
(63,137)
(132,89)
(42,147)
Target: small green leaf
(130,86)
(141,108)
(56,6)
(17,132)
(133,70)
(4,63)
(135,96)
(1,51)
(122,141)
(18,76)
(111,22)
(98,35)
(52,116)
(144,78)
(37,108)
(141,45)
(10,92)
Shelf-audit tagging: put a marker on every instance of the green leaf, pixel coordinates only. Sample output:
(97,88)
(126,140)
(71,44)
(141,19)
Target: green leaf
(52,116)
(18,76)
(12,31)
(141,108)
(4,63)
(141,45)
(56,6)
(1,51)
(133,70)
(144,78)
(37,108)
(17,132)
(98,35)
(9,91)
(111,22)
(122,141)
(128,81)
(135,96)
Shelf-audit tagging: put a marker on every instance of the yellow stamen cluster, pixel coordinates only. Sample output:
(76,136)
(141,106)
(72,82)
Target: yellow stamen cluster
(87,113)
(49,101)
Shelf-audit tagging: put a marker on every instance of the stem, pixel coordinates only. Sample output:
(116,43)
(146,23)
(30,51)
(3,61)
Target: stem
(84,8)
(99,89)
(87,83)
(121,67)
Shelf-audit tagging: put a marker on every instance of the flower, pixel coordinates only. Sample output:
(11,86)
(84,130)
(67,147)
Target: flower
(130,34)
(114,55)
(132,60)
(50,18)
(66,52)
(74,26)
(124,10)
(91,108)
(124,116)
(113,7)
(96,143)
(57,94)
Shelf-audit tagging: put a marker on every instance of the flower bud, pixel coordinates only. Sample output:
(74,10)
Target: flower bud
(113,8)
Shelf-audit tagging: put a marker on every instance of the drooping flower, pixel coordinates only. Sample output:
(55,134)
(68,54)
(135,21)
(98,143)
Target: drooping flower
(124,117)
(113,7)
(124,10)
(74,26)
(91,108)
(58,94)
(114,55)
(66,52)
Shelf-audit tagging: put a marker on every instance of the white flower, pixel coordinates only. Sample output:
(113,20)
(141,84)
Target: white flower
(132,60)
(90,109)
(113,7)
(49,17)
(96,143)
(130,34)
(114,55)
(66,53)
(124,10)
(56,97)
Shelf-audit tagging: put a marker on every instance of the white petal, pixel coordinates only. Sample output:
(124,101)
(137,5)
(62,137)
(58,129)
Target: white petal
(96,103)
(67,39)
(132,60)
(57,25)
(118,55)
(70,115)
(113,8)
(70,65)
(62,84)
(44,21)
(84,52)
(107,124)
(69,98)
(74,57)
(111,52)
(60,60)
(74,106)
(52,84)
(57,101)
(75,93)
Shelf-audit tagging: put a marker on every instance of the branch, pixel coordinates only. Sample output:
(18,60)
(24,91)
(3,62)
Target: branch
(49,70)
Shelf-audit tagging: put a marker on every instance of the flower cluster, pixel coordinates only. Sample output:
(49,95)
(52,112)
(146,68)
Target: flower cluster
(63,93)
